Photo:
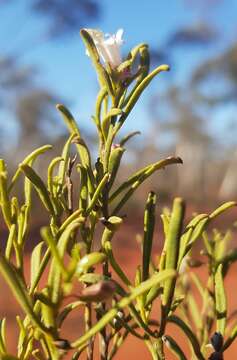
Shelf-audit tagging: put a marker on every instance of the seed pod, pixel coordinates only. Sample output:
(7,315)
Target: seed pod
(101,291)
(217,341)
(118,320)
(216,356)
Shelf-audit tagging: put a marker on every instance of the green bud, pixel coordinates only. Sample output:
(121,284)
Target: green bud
(90,260)
(111,226)
(113,223)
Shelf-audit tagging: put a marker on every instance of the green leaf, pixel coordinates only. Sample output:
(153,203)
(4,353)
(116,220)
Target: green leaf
(200,287)
(39,187)
(230,338)
(40,271)
(139,90)
(190,335)
(103,76)
(83,195)
(128,137)
(51,184)
(3,349)
(52,244)
(138,178)
(29,160)
(114,163)
(4,199)
(222,208)
(19,292)
(109,252)
(143,173)
(24,340)
(221,245)
(66,311)
(172,248)
(64,164)
(76,215)
(149,224)
(97,193)
(194,311)
(107,120)
(166,221)
(192,232)
(35,262)
(57,266)
(74,130)
(220,301)
(100,98)
(11,240)
(174,347)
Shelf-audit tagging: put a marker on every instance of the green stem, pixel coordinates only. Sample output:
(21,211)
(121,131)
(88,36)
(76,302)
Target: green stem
(88,325)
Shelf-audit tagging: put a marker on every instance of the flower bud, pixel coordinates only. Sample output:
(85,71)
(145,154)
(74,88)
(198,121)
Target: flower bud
(108,46)
(101,291)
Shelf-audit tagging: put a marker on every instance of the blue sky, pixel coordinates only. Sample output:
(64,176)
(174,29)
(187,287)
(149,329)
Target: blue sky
(66,69)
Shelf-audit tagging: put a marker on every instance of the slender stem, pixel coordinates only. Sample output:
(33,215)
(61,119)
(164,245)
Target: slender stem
(104,337)
(88,325)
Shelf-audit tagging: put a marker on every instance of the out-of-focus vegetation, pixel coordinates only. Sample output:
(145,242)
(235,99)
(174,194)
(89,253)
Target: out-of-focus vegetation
(20,90)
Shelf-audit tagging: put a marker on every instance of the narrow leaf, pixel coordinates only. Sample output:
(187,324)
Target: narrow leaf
(149,224)
(35,261)
(220,301)
(39,186)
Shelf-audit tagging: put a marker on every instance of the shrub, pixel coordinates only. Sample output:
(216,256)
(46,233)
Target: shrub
(113,305)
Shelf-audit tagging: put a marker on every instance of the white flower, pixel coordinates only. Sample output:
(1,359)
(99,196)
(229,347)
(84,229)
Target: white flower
(108,46)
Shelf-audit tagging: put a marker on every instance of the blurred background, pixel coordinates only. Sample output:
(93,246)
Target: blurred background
(190,112)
